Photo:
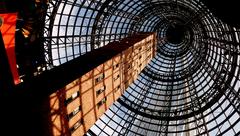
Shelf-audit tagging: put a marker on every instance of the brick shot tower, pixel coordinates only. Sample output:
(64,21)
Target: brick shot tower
(95,67)
(77,106)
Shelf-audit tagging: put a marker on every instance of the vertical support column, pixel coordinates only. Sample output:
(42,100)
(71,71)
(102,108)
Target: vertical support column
(200,121)
(8,30)
(186,100)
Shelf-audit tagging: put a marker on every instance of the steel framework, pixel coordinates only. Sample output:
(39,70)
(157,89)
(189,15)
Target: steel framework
(191,87)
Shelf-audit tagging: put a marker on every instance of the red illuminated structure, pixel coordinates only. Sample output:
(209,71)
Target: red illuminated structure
(8,29)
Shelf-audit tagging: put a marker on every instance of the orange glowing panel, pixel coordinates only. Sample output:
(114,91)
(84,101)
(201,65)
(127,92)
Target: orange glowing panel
(8,29)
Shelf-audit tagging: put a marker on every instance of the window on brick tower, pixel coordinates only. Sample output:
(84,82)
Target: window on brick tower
(76,125)
(99,91)
(72,97)
(102,102)
(115,66)
(99,78)
(115,78)
(74,112)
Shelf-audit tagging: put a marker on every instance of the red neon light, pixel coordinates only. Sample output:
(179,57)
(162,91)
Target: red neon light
(8,29)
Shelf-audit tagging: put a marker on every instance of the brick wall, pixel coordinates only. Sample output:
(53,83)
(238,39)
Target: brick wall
(77,106)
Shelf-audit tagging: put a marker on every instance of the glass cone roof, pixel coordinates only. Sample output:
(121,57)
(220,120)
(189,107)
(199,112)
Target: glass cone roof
(190,88)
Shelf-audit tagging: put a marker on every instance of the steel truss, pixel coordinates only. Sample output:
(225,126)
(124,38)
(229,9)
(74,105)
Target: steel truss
(189,88)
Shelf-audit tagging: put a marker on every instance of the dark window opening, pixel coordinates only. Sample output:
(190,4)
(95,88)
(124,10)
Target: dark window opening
(99,91)
(99,78)
(116,77)
(76,125)
(102,102)
(129,66)
(73,96)
(116,66)
(75,111)
(118,87)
